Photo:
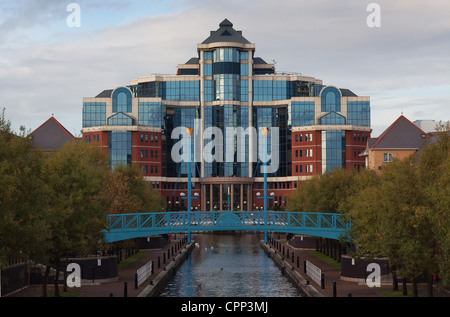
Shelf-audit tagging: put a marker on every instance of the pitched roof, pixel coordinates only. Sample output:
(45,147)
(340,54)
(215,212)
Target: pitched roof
(226,33)
(105,94)
(51,135)
(402,134)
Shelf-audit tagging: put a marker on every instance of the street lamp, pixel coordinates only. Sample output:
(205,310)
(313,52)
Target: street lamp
(189,198)
(265,132)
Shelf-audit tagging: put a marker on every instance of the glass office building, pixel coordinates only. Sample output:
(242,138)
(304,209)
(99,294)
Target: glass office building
(318,127)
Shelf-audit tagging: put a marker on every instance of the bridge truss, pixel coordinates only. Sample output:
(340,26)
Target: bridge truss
(128,226)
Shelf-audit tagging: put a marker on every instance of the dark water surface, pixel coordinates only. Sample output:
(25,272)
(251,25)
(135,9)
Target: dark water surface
(229,265)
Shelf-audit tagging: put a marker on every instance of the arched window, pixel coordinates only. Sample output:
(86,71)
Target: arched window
(121,100)
(331,99)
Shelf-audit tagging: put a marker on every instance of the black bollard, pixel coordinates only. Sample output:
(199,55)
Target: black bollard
(298,262)
(334,289)
(125,289)
(164,258)
(159,262)
(322,281)
(304,266)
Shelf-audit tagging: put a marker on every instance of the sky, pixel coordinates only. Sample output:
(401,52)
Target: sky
(47,67)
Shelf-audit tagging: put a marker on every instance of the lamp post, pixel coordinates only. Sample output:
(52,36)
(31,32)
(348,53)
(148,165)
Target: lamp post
(265,132)
(189,197)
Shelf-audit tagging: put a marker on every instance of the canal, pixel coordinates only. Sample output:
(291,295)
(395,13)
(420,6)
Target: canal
(229,265)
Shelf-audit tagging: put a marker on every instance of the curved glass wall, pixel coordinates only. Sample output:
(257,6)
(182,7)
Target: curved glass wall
(226,74)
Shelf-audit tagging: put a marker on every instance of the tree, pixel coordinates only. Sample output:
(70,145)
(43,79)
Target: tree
(23,197)
(77,211)
(434,175)
(126,191)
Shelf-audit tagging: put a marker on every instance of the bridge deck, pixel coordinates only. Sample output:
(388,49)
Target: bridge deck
(128,226)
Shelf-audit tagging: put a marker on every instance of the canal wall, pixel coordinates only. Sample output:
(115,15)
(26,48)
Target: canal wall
(290,273)
(159,283)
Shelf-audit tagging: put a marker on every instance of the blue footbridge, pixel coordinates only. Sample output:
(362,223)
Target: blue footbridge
(129,226)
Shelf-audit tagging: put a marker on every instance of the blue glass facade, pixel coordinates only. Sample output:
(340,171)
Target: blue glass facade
(238,89)
(302,113)
(151,114)
(119,146)
(333,150)
(94,114)
(231,117)
(358,113)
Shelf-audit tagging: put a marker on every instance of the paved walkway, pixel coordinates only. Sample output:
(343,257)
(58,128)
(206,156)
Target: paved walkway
(343,288)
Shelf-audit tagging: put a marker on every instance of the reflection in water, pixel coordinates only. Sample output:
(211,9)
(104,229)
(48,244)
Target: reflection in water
(229,265)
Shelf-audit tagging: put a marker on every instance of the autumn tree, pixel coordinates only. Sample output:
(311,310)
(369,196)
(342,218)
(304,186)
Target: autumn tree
(77,211)
(23,197)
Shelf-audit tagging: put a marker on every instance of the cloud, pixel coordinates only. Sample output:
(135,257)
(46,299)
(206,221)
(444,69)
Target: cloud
(329,40)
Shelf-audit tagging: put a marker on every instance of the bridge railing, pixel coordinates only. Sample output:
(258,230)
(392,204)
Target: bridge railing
(123,226)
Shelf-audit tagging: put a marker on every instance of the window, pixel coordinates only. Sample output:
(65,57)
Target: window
(94,114)
(387,157)
(120,119)
(151,114)
(331,100)
(119,144)
(332,118)
(358,113)
(302,113)
(121,99)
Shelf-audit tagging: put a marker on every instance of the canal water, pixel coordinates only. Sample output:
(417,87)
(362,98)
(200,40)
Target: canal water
(229,265)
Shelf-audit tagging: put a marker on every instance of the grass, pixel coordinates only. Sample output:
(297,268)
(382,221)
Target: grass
(51,293)
(326,259)
(130,260)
